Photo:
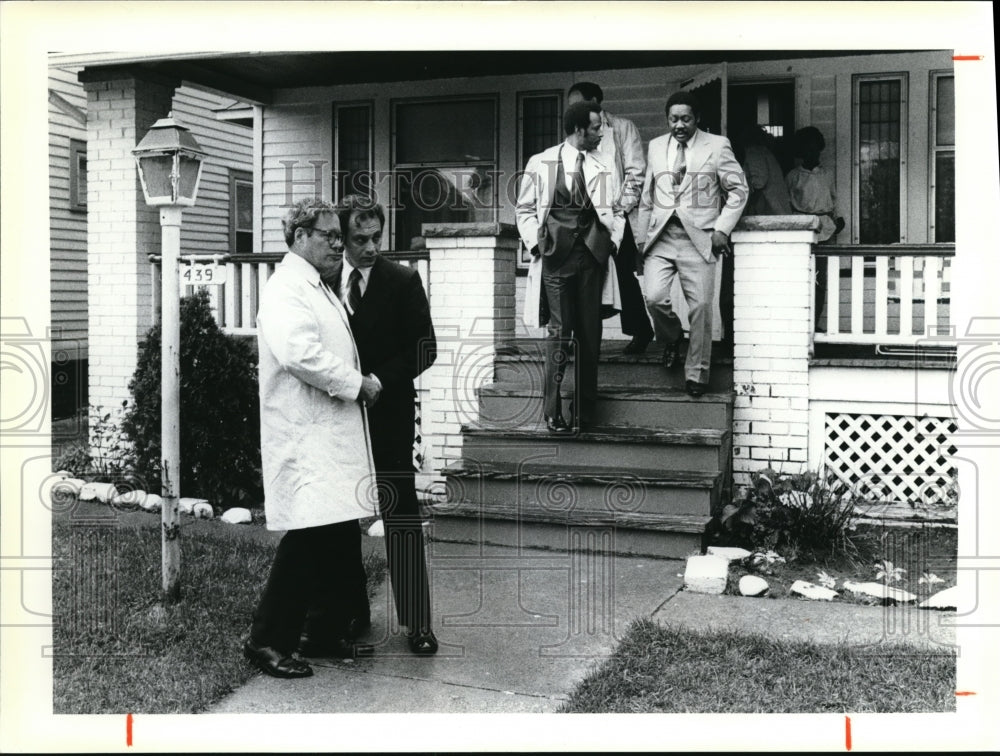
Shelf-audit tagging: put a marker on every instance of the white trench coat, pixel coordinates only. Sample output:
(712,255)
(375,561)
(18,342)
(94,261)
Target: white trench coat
(315,445)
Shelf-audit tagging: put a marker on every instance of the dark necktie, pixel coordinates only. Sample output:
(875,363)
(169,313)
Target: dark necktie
(579,186)
(680,164)
(354,291)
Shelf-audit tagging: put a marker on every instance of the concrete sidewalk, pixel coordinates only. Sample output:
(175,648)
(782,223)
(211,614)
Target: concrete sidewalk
(518,630)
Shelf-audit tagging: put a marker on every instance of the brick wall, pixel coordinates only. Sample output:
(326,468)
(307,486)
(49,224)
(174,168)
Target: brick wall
(472,297)
(772,343)
(122,231)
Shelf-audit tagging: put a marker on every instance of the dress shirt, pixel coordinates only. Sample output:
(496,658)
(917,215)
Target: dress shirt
(345,287)
(569,153)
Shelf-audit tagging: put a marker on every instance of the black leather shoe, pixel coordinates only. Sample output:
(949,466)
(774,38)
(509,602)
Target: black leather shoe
(272,662)
(557,424)
(637,345)
(423,642)
(671,354)
(694,388)
(334,648)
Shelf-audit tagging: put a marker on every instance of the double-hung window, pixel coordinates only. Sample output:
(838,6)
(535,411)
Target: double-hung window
(942,167)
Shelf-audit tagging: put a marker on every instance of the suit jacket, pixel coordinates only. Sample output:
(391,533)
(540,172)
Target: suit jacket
(534,197)
(622,147)
(711,196)
(395,337)
(314,434)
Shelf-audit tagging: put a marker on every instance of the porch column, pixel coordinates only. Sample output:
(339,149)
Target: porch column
(121,230)
(772,333)
(472,303)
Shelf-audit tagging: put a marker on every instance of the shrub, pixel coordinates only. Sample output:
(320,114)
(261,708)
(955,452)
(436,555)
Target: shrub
(219,411)
(801,513)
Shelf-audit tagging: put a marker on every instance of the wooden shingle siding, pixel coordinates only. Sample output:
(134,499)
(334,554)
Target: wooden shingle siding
(67,229)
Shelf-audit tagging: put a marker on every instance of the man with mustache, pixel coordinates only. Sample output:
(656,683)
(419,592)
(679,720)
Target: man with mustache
(694,194)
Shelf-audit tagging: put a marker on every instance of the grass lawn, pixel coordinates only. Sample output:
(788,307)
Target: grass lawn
(666,670)
(118,650)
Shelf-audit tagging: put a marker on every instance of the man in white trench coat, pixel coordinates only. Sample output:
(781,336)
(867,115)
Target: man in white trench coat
(315,447)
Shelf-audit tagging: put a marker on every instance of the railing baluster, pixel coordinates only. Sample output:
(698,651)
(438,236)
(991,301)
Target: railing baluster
(906,296)
(246,296)
(857,295)
(230,285)
(881,296)
(832,294)
(932,292)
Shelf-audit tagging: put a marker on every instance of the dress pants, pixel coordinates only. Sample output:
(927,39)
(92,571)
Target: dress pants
(312,567)
(635,321)
(573,291)
(671,255)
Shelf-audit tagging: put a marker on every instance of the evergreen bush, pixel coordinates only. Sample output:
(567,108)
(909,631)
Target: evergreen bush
(219,411)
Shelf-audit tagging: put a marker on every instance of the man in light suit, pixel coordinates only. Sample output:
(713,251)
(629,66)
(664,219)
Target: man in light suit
(621,147)
(694,194)
(315,450)
(391,321)
(566,214)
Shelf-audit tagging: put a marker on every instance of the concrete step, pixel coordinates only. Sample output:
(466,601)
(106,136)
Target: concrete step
(596,491)
(621,447)
(520,362)
(663,536)
(503,405)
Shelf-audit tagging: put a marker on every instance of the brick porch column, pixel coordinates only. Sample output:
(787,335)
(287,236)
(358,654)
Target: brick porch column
(472,304)
(772,332)
(121,230)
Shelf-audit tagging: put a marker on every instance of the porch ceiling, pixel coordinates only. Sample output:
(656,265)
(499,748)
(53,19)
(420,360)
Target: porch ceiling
(254,76)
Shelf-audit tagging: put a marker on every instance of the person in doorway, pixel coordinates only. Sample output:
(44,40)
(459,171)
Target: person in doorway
(694,194)
(564,219)
(768,191)
(811,190)
(391,321)
(315,447)
(621,148)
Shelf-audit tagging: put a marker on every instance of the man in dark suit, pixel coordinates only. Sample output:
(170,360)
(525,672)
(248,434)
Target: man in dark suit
(566,217)
(391,322)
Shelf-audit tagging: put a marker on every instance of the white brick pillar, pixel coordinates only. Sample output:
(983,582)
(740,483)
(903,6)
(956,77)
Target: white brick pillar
(772,333)
(472,303)
(121,230)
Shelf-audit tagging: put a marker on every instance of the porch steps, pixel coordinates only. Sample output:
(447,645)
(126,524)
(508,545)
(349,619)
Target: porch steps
(642,480)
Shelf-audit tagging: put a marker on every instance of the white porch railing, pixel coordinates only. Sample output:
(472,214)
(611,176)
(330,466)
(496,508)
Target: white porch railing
(235,302)
(895,294)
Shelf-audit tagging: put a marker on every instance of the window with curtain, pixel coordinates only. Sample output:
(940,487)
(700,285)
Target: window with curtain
(444,164)
(942,141)
(880,141)
(353,149)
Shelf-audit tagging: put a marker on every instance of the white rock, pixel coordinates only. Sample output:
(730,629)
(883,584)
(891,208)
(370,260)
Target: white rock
(68,487)
(237,516)
(377,529)
(204,511)
(751,585)
(88,492)
(732,553)
(186,504)
(812,591)
(131,498)
(706,574)
(946,599)
(106,492)
(151,502)
(880,591)
(63,474)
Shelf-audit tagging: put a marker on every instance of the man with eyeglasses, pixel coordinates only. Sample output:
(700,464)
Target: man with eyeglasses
(315,449)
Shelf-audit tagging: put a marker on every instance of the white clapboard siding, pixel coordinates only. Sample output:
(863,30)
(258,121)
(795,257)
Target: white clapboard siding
(290,133)
(229,147)
(67,229)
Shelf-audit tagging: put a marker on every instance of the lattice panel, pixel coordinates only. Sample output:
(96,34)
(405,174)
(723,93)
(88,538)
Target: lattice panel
(893,458)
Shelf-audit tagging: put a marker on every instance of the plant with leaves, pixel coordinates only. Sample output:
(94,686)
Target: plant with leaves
(219,411)
(888,573)
(106,456)
(800,513)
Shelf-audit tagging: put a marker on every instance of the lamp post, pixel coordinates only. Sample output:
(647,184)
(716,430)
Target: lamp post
(169,160)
